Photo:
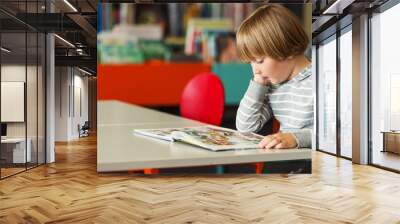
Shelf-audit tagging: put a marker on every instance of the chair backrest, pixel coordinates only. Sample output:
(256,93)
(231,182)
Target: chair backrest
(203,99)
(86,125)
(275,126)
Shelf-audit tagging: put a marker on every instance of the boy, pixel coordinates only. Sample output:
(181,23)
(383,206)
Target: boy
(273,41)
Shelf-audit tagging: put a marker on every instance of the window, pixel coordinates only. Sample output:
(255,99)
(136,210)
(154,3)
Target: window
(326,135)
(22,76)
(346,75)
(385,87)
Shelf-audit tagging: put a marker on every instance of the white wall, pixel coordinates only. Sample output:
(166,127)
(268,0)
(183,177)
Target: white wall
(13,73)
(61,103)
(71,87)
(33,127)
(16,73)
(13,101)
(80,110)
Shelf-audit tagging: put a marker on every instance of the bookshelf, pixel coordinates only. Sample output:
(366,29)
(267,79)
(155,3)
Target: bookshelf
(192,29)
(195,38)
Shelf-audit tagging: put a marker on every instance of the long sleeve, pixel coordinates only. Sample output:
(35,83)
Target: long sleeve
(254,110)
(303,137)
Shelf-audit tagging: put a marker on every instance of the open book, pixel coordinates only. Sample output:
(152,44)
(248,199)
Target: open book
(209,137)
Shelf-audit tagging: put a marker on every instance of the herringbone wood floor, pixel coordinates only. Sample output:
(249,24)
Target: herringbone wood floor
(70,191)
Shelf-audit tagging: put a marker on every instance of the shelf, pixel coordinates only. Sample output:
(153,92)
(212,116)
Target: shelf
(149,84)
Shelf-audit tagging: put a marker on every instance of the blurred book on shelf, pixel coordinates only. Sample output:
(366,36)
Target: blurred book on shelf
(181,57)
(173,31)
(118,48)
(141,31)
(201,36)
(199,30)
(132,44)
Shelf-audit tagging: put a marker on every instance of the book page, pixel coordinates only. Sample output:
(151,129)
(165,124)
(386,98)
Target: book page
(162,133)
(215,138)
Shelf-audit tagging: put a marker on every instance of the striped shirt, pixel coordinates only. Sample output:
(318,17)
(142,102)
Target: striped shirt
(291,103)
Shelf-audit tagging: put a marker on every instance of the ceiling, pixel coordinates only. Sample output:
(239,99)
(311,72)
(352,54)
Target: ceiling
(332,15)
(72,20)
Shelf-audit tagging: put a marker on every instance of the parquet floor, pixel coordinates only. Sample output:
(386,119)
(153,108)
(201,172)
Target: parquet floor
(10,171)
(70,191)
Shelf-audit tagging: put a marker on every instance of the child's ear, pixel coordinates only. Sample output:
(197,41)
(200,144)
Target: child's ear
(290,57)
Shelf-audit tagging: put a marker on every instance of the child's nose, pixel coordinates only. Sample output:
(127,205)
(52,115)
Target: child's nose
(256,70)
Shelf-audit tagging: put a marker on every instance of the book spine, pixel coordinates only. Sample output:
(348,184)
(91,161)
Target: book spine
(123,15)
(173,19)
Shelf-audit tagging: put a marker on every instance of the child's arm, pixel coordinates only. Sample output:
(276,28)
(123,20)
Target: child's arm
(303,137)
(253,110)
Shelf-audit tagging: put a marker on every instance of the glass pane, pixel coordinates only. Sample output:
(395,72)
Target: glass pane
(13,86)
(346,94)
(31,84)
(327,96)
(385,84)
(41,99)
(31,101)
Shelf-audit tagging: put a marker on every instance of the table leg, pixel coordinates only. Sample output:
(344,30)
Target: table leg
(219,169)
(384,142)
(259,168)
(151,171)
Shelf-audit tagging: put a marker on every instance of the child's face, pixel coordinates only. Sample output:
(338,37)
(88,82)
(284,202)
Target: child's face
(273,70)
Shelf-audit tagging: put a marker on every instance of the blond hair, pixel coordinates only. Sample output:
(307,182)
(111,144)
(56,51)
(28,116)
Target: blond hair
(272,30)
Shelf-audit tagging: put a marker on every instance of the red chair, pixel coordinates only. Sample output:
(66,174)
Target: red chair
(275,126)
(203,99)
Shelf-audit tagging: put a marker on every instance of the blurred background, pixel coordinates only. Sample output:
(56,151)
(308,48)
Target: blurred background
(147,53)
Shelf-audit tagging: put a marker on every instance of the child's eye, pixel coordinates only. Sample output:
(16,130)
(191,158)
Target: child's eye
(259,61)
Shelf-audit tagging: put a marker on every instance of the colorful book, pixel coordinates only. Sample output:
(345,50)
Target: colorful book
(208,137)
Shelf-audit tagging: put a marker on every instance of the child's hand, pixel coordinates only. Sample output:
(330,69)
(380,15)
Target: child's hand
(279,141)
(261,80)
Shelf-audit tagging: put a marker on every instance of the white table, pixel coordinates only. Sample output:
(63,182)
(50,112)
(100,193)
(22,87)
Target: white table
(19,154)
(118,149)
